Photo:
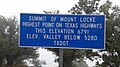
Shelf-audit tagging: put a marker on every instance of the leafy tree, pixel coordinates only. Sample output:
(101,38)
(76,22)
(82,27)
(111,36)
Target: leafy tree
(111,55)
(112,38)
(9,49)
(3,25)
(80,63)
(38,63)
(85,7)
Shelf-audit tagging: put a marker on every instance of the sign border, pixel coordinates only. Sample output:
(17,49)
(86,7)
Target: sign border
(66,47)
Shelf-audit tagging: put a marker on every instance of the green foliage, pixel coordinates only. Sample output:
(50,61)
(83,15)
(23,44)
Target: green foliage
(9,49)
(16,65)
(85,6)
(37,63)
(111,55)
(80,64)
(112,38)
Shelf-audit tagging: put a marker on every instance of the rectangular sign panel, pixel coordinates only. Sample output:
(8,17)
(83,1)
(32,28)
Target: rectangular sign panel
(62,31)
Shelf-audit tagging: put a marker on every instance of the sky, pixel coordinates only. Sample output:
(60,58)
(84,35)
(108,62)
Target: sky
(14,7)
(8,8)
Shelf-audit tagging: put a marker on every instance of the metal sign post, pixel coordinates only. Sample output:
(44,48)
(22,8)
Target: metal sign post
(60,57)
